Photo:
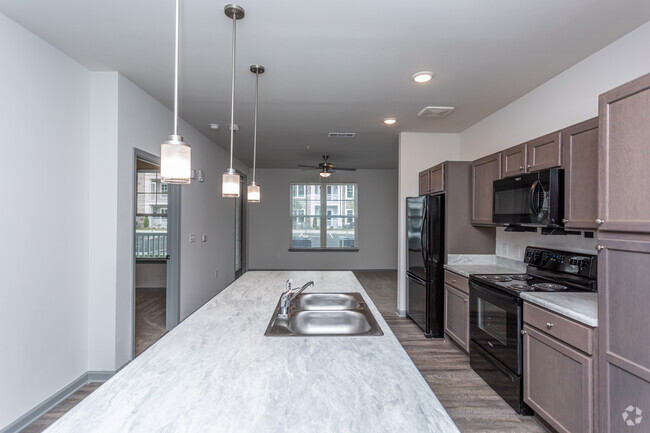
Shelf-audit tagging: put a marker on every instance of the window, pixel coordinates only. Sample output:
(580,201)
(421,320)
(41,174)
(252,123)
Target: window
(151,216)
(323,217)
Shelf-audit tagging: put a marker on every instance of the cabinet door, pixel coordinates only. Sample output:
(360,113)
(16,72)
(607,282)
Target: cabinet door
(514,161)
(624,163)
(457,316)
(624,342)
(545,152)
(484,172)
(558,382)
(580,162)
(424,182)
(437,178)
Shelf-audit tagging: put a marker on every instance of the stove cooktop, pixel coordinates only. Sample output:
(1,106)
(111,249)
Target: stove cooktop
(517,283)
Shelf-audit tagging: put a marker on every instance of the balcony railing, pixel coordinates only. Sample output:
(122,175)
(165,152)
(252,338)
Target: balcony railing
(151,245)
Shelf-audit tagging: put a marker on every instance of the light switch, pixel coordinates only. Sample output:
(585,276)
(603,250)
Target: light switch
(204,238)
(201,177)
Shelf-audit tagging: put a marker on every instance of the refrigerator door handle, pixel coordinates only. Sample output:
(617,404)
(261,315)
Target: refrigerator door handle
(424,242)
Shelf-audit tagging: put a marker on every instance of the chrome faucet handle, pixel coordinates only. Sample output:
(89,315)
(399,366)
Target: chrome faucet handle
(288,285)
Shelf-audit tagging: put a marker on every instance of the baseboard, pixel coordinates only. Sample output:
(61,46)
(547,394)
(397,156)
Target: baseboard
(401,313)
(65,392)
(321,270)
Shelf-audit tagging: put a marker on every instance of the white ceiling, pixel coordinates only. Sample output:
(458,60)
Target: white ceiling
(333,66)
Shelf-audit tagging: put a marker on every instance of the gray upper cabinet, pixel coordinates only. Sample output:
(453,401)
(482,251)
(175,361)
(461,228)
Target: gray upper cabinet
(580,158)
(423,182)
(437,178)
(484,172)
(514,160)
(544,152)
(538,154)
(625,157)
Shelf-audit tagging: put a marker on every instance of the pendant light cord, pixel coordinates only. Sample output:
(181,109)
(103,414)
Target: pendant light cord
(257,79)
(178,13)
(232,93)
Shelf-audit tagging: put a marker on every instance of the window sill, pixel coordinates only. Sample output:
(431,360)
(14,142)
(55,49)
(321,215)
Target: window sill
(320,250)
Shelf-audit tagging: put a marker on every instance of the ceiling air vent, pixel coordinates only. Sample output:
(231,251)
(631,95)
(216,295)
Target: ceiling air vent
(341,134)
(435,111)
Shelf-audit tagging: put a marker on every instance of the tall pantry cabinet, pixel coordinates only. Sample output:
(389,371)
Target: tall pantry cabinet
(624,257)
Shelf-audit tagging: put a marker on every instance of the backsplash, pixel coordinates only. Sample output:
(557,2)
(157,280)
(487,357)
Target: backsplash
(513,245)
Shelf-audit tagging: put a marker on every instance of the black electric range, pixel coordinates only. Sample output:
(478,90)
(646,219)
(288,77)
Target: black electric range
(496,314)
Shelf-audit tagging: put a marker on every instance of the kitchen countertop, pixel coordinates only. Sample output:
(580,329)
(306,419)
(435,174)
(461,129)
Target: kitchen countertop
(483,264)
(217,372)
(579,306)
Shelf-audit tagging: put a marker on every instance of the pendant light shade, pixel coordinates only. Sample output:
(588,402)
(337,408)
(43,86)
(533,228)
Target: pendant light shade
(254,193)
(175,154)
(175,160)
(230,184)
(230,179)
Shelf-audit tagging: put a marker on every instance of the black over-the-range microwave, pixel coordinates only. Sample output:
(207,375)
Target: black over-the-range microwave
(530,199)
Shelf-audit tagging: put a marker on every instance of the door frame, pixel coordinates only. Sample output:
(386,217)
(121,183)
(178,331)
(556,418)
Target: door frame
(244,206)
(172,307)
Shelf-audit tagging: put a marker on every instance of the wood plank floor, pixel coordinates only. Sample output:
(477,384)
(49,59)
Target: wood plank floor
(150,308)
(471,403)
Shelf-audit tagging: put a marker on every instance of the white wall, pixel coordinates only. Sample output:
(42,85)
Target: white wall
(44,222)
(417,152)
(564,100)
(270,227)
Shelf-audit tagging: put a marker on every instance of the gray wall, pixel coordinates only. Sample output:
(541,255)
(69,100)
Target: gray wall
(270,227)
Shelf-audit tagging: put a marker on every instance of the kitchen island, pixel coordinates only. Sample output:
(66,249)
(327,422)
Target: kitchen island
(217,372)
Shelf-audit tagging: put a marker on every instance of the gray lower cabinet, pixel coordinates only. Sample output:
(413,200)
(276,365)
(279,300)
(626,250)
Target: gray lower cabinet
(559,370)
(558,382)
(457,316)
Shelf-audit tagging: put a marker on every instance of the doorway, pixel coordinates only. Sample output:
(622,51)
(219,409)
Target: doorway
(155,283)
(240,228)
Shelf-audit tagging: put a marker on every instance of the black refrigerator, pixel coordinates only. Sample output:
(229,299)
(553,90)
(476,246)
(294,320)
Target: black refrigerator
(424,262)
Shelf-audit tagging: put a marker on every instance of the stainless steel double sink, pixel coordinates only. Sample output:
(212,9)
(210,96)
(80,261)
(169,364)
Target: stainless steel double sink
(325,314)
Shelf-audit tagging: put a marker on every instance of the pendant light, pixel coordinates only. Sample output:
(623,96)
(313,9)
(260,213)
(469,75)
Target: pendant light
(175,154)
(230,179)
(254,193)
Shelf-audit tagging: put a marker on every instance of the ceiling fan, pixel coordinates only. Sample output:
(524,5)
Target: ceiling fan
(327,168)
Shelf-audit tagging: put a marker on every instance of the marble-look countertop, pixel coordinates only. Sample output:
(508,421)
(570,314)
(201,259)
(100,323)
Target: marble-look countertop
(217,372)
(579,306)
(466,264)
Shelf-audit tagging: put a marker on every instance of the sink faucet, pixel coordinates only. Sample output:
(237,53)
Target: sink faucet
(288,296)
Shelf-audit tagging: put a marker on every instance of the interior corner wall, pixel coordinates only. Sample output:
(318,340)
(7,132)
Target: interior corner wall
(417,152)
(44,222)
(270,225)
(566,99)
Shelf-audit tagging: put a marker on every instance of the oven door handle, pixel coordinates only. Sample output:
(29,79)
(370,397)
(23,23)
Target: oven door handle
(534,200)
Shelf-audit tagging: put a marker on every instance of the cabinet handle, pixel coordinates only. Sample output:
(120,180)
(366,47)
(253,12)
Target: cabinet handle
(453,281)
(549,325)
(599,221)
(521,167)
(529,166)
(465,300)
(523,331)
(599,247)
(564,220)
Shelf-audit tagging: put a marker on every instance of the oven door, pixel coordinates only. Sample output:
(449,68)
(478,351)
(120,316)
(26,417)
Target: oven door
(495,323)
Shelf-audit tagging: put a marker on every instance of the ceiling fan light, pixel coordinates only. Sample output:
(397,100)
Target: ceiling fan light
(325,174)
(230,184)
(253,193)
(175,160)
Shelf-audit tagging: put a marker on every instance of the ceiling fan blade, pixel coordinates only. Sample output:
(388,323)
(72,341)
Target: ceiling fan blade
(309,166)
(344,168)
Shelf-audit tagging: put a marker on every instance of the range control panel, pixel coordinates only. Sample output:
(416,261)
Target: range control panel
(563,261)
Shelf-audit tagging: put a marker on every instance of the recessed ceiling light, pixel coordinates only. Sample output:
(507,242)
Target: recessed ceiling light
(422,76)
(214,126)
(390,121)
